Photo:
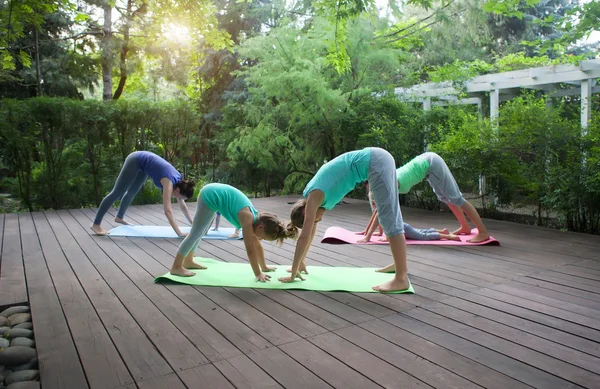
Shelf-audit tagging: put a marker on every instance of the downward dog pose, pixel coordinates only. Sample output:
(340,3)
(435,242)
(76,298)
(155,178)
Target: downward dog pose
(240,212)
(432,167)
(138,166)
(409,231)
(332,182)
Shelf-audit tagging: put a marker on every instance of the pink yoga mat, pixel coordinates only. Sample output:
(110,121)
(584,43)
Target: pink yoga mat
(339,235)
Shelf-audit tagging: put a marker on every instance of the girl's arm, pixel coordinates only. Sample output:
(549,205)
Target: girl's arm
(254,248)
(313,202)
(372,227)
(167,193)
(185,210)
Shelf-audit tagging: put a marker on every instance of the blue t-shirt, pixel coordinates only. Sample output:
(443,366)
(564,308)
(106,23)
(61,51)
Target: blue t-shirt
(340,175)
(227,200)
(157,168)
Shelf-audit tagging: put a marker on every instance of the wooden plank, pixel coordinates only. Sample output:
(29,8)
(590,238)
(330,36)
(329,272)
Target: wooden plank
(278,312)
(328,368)
(594,325)
(205,376)
(174,347)
(534,316)
(497,361)
(13,289)
(523,340)
(168,381)
(551,298)
(58,359)
(1,236)
(289,373)
(366,364)
(343,311)
(529,326)
(242,372)
(514,350)
(102,363)
(141,357)
(568,291)
(470,369)
(411,363)
(310,311)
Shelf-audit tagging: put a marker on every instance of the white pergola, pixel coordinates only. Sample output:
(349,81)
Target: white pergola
(504,86)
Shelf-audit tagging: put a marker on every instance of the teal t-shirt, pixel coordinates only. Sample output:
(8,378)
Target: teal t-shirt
(340,175)
(227,200)
(412,173)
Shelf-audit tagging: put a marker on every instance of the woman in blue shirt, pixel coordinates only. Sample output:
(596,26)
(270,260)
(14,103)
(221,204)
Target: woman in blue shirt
(138,166)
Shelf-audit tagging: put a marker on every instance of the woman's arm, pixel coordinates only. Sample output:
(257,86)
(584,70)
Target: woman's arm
(185,210)
(313,202)
(167,193)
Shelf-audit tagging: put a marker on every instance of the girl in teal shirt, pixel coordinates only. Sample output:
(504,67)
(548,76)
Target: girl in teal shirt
(234,206)
(336,179)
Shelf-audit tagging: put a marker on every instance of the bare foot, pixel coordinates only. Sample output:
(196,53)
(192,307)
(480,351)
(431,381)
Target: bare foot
(481,237)
(384,239)
(181,271)
(453,237)
(193,265)
(119,220)
(461,231)
(234,235)
(444,231)
(363,240)
(388,269)
(393,285)
(360,233)
(98,229)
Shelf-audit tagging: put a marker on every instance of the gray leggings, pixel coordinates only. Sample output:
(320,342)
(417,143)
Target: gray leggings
(202,221)
(420,233)
(384,185)
(128,184)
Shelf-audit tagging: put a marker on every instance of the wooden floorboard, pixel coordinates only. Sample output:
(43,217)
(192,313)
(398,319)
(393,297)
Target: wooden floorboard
(13,289)
(523,314)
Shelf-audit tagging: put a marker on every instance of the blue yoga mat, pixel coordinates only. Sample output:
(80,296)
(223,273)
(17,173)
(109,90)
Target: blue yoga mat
(167,232)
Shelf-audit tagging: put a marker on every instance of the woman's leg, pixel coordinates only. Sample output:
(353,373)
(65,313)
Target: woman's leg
(132,191)
(185,254)
(384,185)
(126,177)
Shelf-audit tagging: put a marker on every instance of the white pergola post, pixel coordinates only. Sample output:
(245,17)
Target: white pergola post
(586,112)
(427,104)
(494,103)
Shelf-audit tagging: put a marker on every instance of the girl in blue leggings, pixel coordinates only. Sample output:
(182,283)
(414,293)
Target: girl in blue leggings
(234,206)
(138,166)
(332,182)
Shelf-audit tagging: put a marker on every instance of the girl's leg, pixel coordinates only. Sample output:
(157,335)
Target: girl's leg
(420,234)
(126,177)
(472,213)
(185,254)
(132,191)
(383,184)
(217,222)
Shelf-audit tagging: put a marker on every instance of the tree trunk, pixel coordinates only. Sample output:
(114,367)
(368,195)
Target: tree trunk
(38,71)
(107,53)
(124,51)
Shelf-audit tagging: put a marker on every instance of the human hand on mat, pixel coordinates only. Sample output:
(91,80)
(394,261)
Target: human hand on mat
(263,277)
(291,279)
(182,234)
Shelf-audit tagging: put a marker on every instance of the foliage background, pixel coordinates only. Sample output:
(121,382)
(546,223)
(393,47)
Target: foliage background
(260,94)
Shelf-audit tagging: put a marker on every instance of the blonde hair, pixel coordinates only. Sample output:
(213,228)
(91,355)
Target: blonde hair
(298,211)
(275,229)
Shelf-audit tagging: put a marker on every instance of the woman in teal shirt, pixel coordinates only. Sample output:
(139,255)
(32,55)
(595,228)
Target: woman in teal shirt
(336,179)
(236,207)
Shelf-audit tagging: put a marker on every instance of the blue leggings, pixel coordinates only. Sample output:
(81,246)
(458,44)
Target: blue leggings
(128,184)
(202,221)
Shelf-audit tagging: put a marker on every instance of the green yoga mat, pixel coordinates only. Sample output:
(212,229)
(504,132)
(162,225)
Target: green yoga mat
(320,278)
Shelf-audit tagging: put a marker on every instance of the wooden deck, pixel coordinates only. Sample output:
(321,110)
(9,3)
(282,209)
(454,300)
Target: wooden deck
(520,315)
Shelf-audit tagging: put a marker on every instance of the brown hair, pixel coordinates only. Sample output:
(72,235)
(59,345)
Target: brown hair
(297,215)
(275,229)
(186,188)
